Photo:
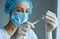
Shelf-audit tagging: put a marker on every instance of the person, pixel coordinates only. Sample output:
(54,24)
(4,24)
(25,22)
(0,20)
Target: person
(19,11)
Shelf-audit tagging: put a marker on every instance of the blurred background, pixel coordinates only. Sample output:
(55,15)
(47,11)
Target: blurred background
(39,8)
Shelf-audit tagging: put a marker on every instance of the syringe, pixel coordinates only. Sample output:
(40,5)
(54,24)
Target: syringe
(37,21)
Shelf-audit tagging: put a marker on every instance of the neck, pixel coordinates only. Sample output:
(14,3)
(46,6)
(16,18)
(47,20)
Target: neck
(10,28)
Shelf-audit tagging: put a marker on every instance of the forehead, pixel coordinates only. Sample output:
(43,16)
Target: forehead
(24,5)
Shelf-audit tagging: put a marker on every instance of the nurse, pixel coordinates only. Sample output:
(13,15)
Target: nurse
(19,11)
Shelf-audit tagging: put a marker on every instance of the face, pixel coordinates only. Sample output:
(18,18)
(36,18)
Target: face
(21,18)
(22,7)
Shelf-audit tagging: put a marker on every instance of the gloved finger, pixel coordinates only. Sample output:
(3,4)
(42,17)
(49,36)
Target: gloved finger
(50,19)
(50,25)
(25,29)
(23,33)
(26,25)
(31,24)
(52,16)
(51,13)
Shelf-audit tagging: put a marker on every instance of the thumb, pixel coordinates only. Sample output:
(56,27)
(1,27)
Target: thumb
(31,24)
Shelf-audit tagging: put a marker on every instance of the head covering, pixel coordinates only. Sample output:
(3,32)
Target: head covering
(11,4)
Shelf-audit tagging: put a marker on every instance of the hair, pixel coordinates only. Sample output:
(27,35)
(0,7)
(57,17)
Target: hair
(11,4)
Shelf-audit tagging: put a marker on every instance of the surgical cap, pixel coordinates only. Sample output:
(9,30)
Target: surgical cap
(11,4)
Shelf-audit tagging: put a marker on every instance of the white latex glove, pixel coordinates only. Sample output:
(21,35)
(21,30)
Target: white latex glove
(22,30)
(50,21)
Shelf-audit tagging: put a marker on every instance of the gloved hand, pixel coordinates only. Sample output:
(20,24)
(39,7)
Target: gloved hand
(22,30)
(50,21)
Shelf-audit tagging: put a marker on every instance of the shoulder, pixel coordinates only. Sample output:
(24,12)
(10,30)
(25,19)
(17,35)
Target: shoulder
(32,34)
(1,30)
(3,34)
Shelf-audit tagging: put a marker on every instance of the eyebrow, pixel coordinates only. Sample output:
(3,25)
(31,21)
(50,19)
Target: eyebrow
(22,8)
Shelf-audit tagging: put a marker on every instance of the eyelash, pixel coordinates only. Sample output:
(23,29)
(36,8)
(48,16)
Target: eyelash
(27,11)
(21,11)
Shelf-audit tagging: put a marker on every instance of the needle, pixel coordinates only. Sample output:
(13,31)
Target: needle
(38,21)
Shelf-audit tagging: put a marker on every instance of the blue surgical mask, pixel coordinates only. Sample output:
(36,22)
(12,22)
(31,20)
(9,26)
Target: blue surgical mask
(19,18)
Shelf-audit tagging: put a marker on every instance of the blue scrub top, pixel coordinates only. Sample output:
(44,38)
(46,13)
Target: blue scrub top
(30,35)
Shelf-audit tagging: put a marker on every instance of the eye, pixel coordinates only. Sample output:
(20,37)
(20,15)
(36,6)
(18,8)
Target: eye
(27,11)
(18,10)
